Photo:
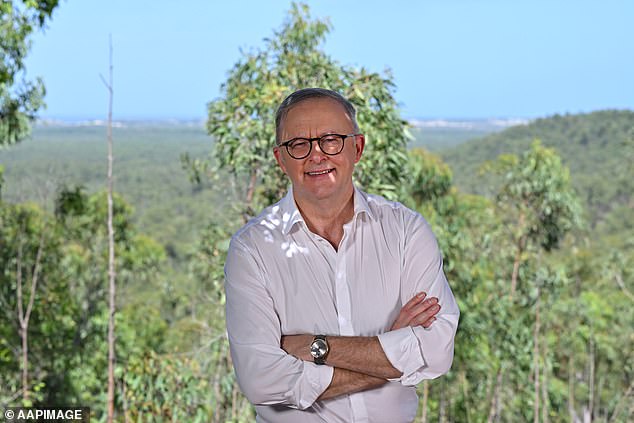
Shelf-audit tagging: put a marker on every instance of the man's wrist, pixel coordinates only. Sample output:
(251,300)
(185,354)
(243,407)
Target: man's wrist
(319,349)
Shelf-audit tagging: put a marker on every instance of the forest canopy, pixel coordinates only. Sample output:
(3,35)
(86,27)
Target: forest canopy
(534,223)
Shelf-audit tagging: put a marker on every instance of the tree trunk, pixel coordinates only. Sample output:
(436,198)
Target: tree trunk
(111,252)
(24,359)
(25,363)
(494,408)
(24,316)
(125,401)
(465,394)
(521,244)
(536,361)
(622,402)
(442,418)
(571,390)
(621,284)
(591,380)
(253,180)
(425,400)
(545,398)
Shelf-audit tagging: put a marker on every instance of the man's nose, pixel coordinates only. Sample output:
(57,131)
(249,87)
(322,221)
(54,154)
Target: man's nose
(316,154)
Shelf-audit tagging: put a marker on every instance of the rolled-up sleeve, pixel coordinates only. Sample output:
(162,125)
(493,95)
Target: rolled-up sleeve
(266,374)
(417,352)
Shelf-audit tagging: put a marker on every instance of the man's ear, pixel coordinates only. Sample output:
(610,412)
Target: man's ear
(359,145)
(279,158)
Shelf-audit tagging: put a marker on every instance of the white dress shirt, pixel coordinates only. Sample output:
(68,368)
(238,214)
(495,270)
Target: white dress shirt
(282,279)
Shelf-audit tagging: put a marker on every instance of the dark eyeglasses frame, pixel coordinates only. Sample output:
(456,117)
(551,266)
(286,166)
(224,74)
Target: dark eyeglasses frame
(319,140)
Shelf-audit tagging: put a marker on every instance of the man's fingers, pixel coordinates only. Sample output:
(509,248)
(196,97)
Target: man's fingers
(415,300)
(428,323)
(429,303)
(417,311)
(423,317)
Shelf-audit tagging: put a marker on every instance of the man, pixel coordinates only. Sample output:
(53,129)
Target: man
(337,304)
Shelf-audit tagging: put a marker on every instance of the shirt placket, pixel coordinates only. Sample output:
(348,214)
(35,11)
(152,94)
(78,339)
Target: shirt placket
(344,316)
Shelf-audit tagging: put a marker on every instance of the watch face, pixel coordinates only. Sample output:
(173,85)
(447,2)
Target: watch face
(318,348)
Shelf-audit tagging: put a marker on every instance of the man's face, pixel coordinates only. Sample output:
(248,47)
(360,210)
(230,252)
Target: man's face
(310,119)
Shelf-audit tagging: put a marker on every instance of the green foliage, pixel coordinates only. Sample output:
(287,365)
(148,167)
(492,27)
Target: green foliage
(30,240)
(242,120)
(536,197)
(165,389)
(67,348)
(597,148)
(19,99)
(147,173)
(581,313)
(429,177)
(173,357)
(178,388)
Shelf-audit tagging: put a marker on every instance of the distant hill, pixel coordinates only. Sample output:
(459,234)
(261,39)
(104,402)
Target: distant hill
(597,147)
(438,134)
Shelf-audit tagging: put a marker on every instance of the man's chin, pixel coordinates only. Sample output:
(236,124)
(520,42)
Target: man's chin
(320,192)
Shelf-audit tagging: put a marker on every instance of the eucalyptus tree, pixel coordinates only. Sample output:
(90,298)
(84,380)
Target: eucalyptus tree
(242,124)
(20,99)
(536,207)
(242,120)
(32,299)
(536,202)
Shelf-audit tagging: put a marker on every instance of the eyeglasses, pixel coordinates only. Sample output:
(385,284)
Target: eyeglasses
(330,144)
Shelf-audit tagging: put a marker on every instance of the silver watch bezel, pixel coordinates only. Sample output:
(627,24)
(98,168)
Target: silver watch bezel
(319,348)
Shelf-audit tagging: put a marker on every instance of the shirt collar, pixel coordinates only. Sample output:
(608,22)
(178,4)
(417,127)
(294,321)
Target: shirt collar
(291,214)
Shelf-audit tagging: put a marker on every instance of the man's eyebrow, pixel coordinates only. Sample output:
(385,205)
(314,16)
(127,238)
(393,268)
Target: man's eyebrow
(321,134)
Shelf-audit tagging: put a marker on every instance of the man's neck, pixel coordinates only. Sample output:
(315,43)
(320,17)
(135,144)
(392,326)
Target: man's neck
(326,218)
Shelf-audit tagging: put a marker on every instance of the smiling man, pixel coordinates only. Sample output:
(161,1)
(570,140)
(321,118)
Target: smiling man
(337,303)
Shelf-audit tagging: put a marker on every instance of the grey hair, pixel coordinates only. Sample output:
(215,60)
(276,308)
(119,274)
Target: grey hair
(306,94)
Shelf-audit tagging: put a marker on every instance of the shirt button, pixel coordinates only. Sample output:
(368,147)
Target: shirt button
(342,320)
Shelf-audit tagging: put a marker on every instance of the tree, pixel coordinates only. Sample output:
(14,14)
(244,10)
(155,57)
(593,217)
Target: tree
(111,249)
(19,99)
(429,178)
(536,201)
(30,279)
(536,206)
(140,264)
(242,120)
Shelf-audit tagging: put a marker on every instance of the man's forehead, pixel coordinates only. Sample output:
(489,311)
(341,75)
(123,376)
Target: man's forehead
(316,106)
(316,115)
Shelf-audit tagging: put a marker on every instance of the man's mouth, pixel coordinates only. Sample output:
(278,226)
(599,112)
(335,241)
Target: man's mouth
(319,172)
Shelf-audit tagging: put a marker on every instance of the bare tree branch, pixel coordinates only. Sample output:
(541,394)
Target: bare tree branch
(111,253)
(621,284)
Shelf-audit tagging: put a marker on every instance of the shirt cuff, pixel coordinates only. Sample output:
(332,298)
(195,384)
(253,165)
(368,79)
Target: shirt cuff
(403,350)
(313,381)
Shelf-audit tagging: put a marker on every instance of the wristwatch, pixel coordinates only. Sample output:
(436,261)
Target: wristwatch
(319,349)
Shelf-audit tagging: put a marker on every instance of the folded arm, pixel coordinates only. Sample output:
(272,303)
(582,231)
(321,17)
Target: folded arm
(348,382)
(360,362)
(364,354)
(421,341)
(265,373)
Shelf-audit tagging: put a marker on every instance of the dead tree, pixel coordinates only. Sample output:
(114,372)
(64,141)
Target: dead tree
(111,252)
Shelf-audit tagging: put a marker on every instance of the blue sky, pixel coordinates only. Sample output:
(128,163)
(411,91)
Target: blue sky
(450,59)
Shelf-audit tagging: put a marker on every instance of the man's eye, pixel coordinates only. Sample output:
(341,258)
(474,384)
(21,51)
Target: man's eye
(329,139)
(299,144)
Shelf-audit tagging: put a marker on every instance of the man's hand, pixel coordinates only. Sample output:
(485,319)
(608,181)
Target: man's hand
(417,312)
(298,345)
